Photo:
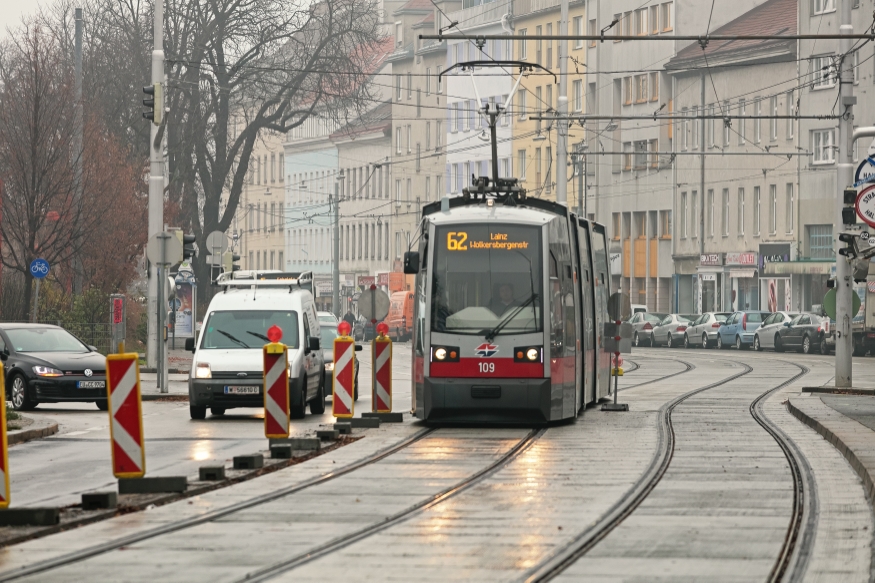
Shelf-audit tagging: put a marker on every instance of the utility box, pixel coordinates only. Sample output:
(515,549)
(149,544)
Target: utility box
(117,321)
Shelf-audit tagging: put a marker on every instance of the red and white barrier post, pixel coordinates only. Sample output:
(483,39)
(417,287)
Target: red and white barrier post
(343,386)
(381,355)
(4,458)
(125,415)
(276,385)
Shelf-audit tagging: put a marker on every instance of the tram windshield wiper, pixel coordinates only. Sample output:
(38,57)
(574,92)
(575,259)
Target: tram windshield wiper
(234,338)
(492,333)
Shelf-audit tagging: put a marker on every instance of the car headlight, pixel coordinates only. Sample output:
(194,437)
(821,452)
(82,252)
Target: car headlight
(202,371)
(47,371)
(329,366)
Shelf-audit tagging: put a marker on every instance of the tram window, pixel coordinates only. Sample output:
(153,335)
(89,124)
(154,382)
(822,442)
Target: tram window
(483,274)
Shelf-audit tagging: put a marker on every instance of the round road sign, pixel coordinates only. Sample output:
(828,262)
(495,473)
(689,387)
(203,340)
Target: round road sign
(39,268)
(866,205)
(217,242)
(865,172)
(829,304)
(374,304)
(169,244)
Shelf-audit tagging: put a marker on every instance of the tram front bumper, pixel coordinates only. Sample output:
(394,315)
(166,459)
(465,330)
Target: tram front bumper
(468,400)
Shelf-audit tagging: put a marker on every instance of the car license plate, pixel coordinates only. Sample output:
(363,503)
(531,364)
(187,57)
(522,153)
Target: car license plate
(91,384)
(242,390)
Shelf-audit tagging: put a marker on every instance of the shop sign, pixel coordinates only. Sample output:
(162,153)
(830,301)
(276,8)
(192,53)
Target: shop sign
(616,261)
(366,281)
(709,277)
(711,259)
(773,253)
(383,279)
(741,259)
(323,288)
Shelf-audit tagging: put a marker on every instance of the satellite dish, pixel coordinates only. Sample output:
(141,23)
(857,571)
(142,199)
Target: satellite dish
(507,23)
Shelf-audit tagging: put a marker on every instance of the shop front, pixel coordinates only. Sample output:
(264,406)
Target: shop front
(775,290)
(742,281)
(711,277)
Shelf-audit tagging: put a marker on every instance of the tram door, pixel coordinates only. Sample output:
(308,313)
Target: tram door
(601,281)
(587,324)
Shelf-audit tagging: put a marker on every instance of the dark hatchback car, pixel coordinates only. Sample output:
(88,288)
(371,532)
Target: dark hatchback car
(47,364)
(804,333)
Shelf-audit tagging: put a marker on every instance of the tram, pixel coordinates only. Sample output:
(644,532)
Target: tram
(511,298)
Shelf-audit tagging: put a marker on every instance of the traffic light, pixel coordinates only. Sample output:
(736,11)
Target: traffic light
(155,102)
(850,240)
(229,260)
(188,248)
(849,213)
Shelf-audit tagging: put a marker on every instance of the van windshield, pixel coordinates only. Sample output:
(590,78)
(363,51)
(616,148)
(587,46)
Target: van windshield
(248,329)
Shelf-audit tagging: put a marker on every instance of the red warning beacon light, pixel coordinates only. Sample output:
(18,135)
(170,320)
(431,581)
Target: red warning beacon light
(274,333)
(382,328)
(344,328)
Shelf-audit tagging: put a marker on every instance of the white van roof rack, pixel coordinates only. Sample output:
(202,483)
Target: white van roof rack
(266,278)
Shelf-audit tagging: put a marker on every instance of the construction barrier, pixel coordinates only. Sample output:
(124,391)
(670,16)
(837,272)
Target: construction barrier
(343,385)
(4,459)
(125,415)
(381,355)
(276,390)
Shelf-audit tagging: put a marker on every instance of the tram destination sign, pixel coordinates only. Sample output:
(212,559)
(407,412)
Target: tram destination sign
(459,241)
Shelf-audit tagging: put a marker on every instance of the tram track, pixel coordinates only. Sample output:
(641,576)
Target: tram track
(799,538)
(689,367)
(177,526)
(344,541)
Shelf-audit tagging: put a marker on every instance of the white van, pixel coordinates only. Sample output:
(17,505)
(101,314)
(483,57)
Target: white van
(227,367)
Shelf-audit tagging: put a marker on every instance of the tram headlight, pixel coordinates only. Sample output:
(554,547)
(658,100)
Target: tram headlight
(528,354)
(445,354)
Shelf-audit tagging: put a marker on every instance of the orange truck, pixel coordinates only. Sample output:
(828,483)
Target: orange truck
(400,318)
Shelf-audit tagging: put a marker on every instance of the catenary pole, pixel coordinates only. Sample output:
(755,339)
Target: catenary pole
(335,272)
(845,175)
(562,110)
(156,189)
(700,293)
(77,138)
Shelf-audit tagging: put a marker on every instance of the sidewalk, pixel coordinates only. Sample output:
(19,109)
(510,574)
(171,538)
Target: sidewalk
(177,386)
(848,422)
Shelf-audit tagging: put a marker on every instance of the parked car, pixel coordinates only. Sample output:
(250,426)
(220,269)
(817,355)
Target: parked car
(327,340)
(642,327)
(739,329)
(47,364)
(804,333)
(703,330)
(670,331)
(766,336)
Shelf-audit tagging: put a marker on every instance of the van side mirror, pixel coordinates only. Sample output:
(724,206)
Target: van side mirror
(411,262)
(189,344)
(314,343)
(358,347)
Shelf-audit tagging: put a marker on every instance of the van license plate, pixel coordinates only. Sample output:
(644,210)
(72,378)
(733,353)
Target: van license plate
(242,390)
(91,384)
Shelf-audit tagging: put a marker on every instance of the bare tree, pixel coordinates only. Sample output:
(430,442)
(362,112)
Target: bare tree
(42,214)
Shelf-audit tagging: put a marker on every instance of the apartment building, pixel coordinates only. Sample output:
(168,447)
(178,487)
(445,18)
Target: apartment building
(364,148)
(632,159)
(418,105)
(746,216)
(534,140)
(818,95)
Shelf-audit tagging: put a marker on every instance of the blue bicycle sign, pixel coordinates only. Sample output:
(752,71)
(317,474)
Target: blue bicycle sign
(39,268)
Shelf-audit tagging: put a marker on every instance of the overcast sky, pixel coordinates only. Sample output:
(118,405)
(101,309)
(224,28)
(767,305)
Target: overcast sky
(11,12)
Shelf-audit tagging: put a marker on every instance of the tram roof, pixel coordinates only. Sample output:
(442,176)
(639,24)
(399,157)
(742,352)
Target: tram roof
(530,210)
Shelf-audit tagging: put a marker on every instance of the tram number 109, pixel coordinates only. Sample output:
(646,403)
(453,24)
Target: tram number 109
(486,367)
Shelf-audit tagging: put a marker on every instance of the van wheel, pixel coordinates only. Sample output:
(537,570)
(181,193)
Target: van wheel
(317,405)
(197,412)
(299,411)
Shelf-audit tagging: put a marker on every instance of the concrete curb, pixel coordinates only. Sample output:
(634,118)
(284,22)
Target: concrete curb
(828,434)
(169,370)
(163,397)
(838,391)
(40,428)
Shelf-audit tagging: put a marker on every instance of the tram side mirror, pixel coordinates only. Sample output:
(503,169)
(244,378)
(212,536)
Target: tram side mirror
(619,306)
(411,262)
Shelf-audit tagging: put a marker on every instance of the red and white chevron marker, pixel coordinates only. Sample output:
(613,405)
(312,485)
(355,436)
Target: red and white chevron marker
(276,385)
(4,459)
(125,415)
(343,387)
(381,354)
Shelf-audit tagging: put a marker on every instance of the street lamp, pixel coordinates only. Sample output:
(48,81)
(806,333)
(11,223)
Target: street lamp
(335,275)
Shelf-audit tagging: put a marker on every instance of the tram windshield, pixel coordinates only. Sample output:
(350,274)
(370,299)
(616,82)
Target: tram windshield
(487,279)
